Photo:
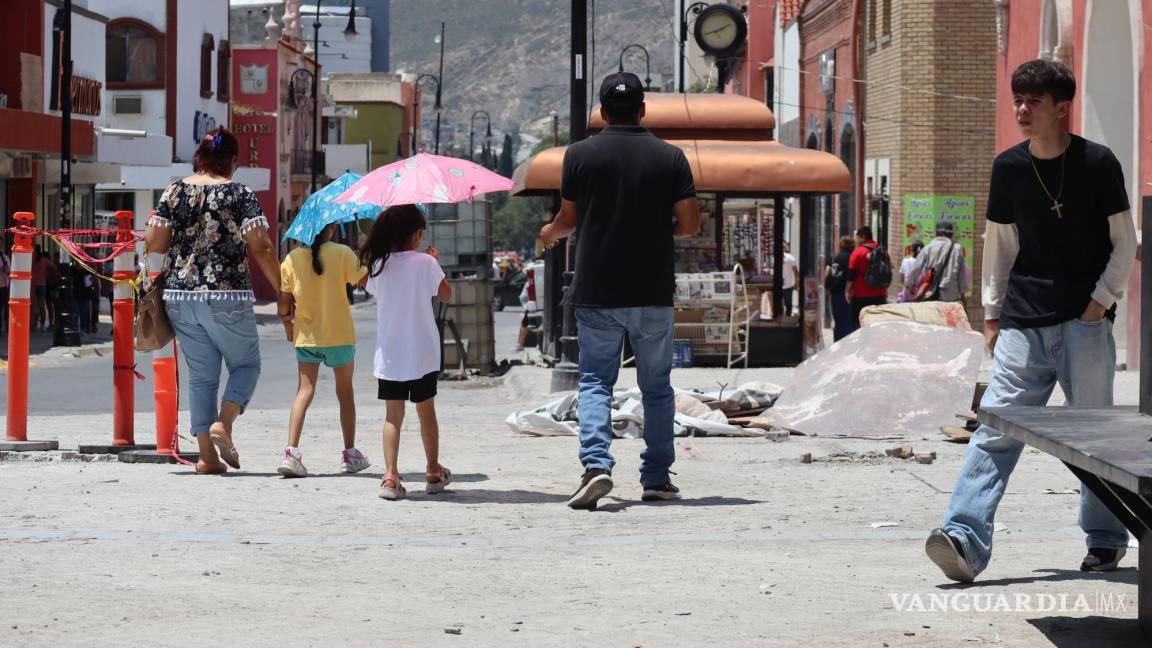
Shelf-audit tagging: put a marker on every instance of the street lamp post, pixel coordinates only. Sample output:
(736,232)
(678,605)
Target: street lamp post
(350,34)
(695,8)
(415,109)
(472,131)
(647,62)
(439,85)
(64,332)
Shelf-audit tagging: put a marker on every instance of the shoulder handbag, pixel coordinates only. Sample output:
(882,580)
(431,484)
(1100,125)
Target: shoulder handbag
(153,330)
(928,287)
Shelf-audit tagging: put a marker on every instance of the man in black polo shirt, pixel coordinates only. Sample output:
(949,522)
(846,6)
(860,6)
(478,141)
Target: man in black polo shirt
(1057,254)
(624,194)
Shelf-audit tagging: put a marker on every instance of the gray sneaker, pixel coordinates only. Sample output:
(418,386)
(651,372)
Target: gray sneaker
(353,461)
(945,551)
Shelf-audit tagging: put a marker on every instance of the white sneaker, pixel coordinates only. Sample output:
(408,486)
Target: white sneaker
(353,461)
(292,466)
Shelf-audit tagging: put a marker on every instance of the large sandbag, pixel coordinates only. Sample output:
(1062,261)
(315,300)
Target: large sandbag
(950,314)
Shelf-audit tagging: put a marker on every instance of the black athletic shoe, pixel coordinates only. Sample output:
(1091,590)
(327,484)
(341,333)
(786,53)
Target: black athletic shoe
(660,493)
(1102,559)
(596,483)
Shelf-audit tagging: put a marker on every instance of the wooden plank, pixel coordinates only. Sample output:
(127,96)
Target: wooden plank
(1110,443)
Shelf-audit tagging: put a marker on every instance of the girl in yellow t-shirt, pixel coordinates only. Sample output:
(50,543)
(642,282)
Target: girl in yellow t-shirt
(318,320)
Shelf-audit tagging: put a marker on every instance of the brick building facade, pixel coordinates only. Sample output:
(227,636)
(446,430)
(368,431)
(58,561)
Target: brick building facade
(929,112)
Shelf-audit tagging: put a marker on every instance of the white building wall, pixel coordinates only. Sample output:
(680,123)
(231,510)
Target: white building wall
(787,54)
(87,56)
(194,19)
(152,116)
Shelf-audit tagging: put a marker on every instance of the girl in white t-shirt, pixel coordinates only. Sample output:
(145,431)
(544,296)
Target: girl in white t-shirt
(407,362)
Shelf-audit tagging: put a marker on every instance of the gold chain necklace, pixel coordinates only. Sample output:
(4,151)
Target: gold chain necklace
(1057,206)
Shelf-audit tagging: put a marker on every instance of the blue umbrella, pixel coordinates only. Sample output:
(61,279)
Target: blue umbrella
(319,211)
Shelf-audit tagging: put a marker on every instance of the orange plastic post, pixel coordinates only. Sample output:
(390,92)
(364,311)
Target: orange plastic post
(19,311)
(165,383)
(123,341)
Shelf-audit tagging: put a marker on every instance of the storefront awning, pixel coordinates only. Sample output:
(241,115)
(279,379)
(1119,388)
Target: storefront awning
(36,133)
(746,168)
(674,116)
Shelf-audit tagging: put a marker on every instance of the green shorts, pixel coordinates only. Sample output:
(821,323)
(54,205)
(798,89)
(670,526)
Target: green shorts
(333,356)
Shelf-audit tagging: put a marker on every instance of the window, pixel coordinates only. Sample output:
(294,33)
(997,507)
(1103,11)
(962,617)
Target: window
(224,72)
(871,22)
(134,55)
(886,25)
(206,46)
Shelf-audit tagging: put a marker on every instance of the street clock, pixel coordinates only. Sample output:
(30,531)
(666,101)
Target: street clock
(720,30)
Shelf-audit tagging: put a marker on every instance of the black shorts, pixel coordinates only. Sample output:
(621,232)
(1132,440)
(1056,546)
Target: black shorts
(416,391)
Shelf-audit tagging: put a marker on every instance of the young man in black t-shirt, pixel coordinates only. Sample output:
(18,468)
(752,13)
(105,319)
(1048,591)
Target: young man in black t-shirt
(1058,250)
(624,194)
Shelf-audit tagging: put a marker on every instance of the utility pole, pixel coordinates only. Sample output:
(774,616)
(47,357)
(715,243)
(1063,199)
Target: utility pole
(439,85)
(566,374)
(64,331)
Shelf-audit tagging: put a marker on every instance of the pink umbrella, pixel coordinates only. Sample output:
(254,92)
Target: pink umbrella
(424,178)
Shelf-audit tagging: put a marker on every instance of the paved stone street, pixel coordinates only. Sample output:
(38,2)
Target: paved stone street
(764,550)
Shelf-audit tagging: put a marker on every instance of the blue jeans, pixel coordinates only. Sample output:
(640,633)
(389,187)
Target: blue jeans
(601,334)
(208,332)
(1027,365)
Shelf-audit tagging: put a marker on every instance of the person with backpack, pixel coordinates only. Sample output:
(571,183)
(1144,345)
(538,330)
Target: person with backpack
(835,282)
(869,275)
(939,273)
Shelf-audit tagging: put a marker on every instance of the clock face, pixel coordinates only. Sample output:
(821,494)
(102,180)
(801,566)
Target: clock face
(718,31)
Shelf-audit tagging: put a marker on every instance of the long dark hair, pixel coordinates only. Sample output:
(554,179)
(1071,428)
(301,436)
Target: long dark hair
(317,243)
(390,233)
(216,153)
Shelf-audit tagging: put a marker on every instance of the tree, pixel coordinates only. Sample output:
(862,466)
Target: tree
(504,167)
(516,225)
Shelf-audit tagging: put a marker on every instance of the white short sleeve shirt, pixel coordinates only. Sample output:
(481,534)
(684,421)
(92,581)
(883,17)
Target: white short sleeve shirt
(407,341)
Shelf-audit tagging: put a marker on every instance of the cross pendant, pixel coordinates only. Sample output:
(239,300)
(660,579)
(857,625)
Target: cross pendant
(1056,207)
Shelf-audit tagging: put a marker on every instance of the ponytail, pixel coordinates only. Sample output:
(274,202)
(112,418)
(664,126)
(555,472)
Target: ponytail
(316,244)
(389,234)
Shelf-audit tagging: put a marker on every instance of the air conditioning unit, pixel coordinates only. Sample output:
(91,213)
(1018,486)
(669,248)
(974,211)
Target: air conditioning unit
(127,105)
(21,167)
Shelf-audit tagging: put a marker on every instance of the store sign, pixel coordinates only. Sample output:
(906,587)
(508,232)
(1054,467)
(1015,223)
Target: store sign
(922,212)
(254,79)
(86,97)
(257,138)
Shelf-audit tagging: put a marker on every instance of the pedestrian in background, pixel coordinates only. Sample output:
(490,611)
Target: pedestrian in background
(791,278)
(836,282)
(940,267)
(407,361)
(83,292)
(206,225)
(906,265)
(43,274)
(318,322)
(1058,252)
(869,275)
(625,194)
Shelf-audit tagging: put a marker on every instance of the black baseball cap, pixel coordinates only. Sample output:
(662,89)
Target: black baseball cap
(945,228)
(622,90)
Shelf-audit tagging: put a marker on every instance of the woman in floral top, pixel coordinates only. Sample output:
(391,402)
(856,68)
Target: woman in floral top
(203,230)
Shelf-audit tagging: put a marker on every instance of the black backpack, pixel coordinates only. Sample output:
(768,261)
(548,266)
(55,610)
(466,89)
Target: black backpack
(837,277)
(879,272)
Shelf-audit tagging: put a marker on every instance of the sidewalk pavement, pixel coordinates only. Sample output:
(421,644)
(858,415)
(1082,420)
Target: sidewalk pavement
(764,550)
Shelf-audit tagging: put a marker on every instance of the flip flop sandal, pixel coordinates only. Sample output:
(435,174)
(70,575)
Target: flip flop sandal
(228,454)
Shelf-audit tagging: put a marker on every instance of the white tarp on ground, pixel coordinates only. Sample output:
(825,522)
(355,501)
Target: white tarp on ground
(560,417)
(885,380)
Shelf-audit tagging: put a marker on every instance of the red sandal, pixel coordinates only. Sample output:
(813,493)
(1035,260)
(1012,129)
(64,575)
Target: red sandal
(442,477)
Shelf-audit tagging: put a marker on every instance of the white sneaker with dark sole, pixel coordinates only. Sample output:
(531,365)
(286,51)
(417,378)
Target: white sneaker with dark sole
(944,550)
(595,484)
